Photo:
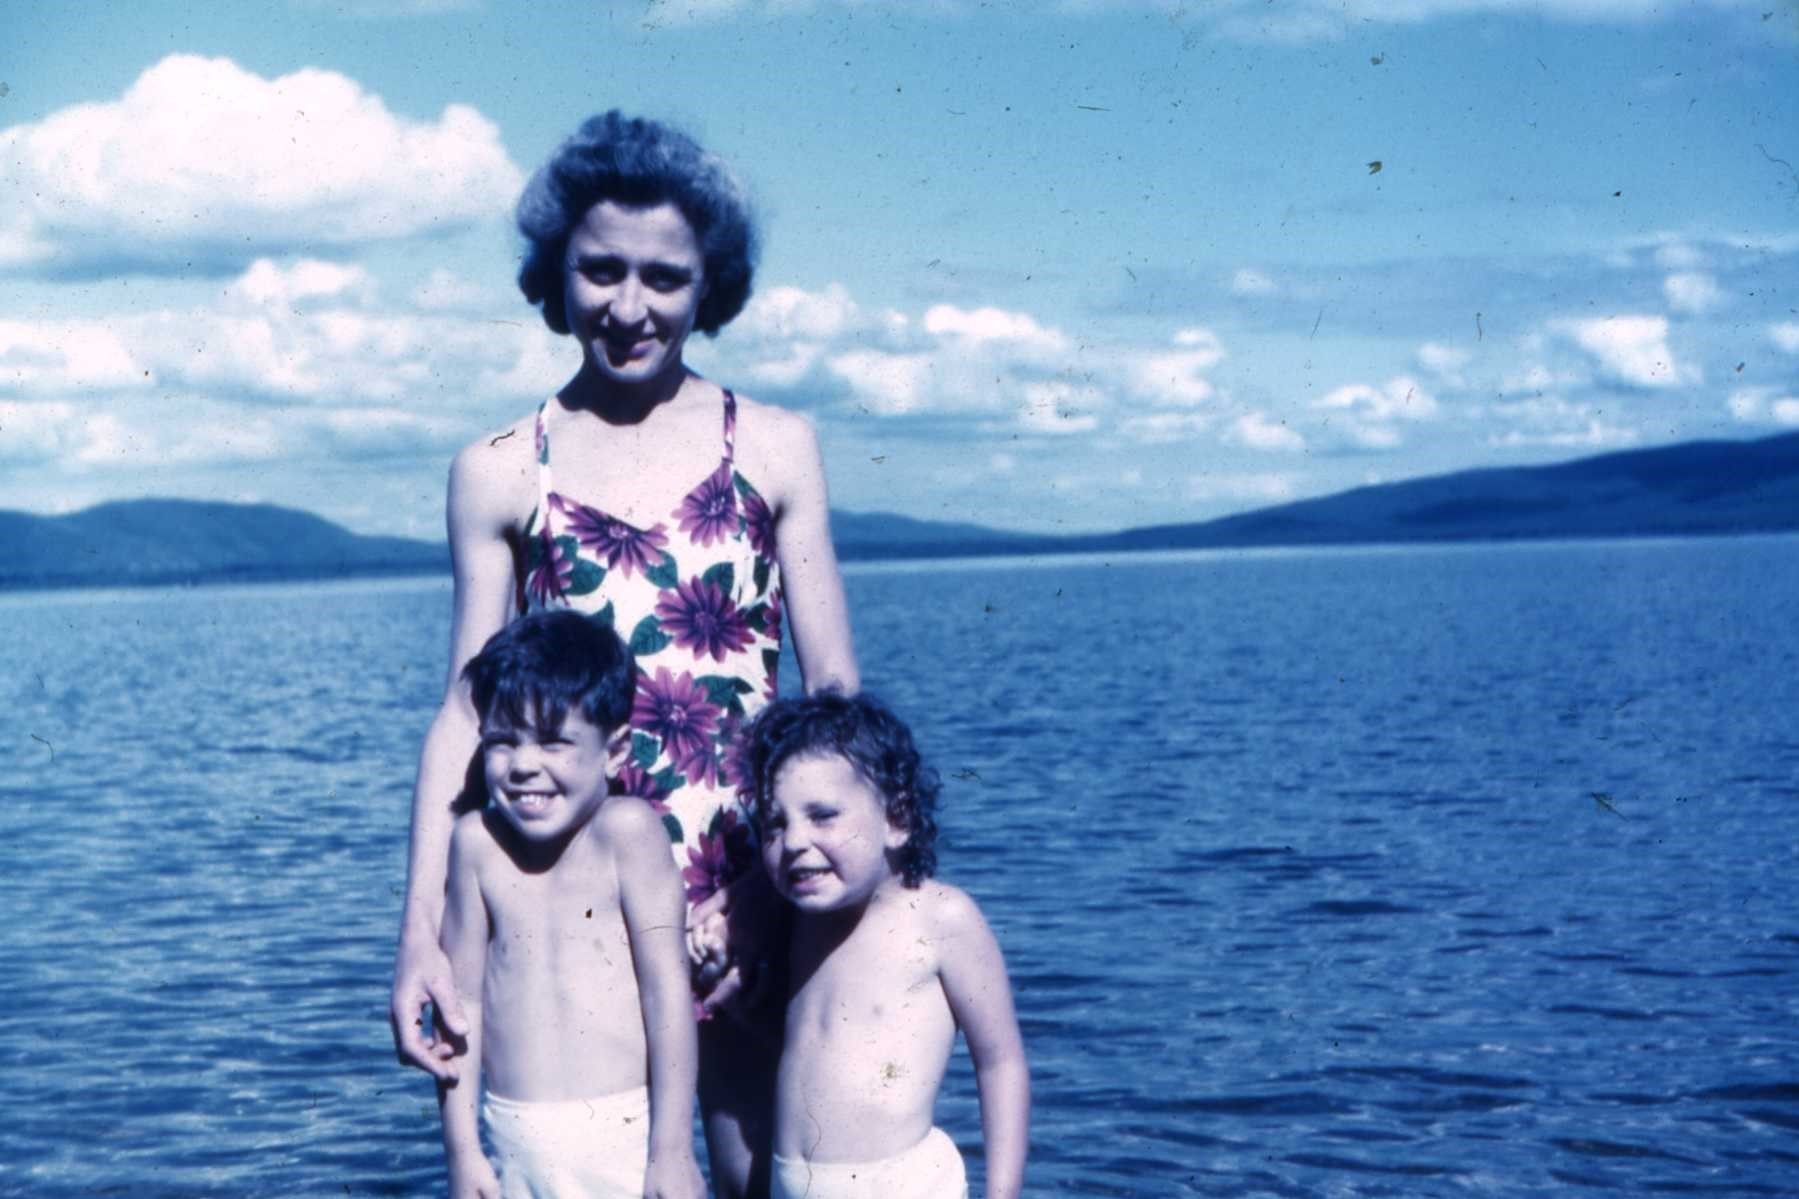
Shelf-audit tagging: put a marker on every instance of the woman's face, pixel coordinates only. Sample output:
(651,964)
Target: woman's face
(633,281)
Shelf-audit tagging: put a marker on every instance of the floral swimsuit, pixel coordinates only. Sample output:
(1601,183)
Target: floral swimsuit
(697,597)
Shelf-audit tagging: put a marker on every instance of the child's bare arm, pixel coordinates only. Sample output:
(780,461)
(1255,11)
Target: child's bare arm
(980,998)
(463,936)
(655,914)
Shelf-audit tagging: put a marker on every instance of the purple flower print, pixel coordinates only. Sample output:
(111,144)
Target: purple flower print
(701,768)
(760,523)
(550,574)
(771,617)
(709,513)
(623,546)
(718,859)
(734,769)
(676,710)
(702,618)
(632,779)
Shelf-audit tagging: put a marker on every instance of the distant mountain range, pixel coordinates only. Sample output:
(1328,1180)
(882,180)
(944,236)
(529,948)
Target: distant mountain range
(1694,488)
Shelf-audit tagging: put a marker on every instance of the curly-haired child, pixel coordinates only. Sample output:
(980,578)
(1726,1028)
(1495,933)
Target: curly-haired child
(885,965)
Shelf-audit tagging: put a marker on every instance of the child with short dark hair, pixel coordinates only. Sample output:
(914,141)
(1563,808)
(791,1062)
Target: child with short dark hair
(564,926)
(886,964)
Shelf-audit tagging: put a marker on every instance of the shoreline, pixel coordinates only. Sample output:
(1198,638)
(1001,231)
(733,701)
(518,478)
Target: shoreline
(900,557)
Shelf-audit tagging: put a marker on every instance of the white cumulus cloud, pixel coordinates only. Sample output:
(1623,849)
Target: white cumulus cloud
(890,384)
(42,431)
(1400,398)
(1785,335)
(40,357)
(1369,416)
(1679,256)
(311,333)
(1258,432)
(1176,378)
(267,282)
(1763,405)
(1550,419)
(1444,361)
(1632,350)
(981,326)
(793,312)
(1692,293)
(201,162)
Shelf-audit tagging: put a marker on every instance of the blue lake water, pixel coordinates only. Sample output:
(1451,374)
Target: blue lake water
(1384,872)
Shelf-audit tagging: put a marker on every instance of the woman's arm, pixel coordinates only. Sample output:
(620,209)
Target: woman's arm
(654,910)
(816,610)
(980,998)
(464,942)
(481,511)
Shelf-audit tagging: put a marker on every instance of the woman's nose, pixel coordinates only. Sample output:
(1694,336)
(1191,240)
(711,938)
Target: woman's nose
(627,306)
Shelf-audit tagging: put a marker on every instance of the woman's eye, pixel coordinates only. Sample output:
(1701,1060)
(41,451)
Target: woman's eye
(602,270)
(665,280)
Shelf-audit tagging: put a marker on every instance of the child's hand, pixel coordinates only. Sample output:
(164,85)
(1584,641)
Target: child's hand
(674,1176)
(708,940)
(472,1177)
(728,937)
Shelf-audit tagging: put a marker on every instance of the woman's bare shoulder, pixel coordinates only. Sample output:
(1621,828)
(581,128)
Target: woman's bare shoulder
(770,421)
(496,473)
(504,451)
(778,446)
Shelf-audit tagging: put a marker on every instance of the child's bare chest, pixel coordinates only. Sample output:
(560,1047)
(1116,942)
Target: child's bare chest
(867,983)
(543,925)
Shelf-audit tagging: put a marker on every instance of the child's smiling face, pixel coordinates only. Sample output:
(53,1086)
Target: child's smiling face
(826,836)
(545,782)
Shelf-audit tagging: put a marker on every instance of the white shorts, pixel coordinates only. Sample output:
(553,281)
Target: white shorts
(931,1169)
(570,1148)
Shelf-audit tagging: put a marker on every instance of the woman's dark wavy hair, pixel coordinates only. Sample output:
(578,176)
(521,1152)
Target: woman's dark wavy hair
(861,730)
(534,670)
(637,162)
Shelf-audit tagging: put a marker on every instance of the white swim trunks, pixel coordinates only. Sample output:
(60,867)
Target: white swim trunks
(931,1169)
(570,1148)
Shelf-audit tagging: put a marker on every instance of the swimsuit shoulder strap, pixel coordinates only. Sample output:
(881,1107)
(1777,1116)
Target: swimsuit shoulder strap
(730,425)
(541,437)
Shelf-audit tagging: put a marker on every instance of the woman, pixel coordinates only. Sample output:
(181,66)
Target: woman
(694,521)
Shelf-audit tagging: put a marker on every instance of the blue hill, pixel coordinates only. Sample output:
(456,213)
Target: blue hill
(1694,488)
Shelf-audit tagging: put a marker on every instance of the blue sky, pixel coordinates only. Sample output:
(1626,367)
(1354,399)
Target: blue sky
(1051,267)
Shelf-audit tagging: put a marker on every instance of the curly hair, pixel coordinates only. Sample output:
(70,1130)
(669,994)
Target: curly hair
(862,731)
(639,163)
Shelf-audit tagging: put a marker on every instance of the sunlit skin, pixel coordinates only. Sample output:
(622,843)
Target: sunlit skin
(633,282)
(883,975)
(634,429)
(546,783)
(562,926)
